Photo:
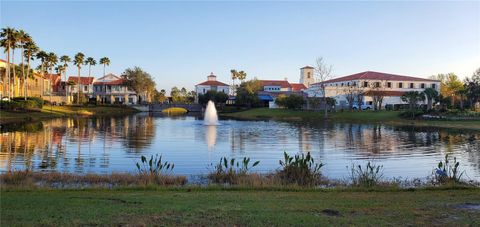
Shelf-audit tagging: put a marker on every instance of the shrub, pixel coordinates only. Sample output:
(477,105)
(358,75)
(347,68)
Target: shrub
(447,172)
(31,105)
(290,102)
(37,100)
(19,106)
(299,169)
(216,96)
(368,176)
(226,171)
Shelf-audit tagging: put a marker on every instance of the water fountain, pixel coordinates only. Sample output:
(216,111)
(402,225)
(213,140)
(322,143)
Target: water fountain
(211,117)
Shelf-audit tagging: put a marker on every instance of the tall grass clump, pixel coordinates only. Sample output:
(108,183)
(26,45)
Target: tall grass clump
(232,171)
(156,171)
(299,169)
(447,172)
(368,176)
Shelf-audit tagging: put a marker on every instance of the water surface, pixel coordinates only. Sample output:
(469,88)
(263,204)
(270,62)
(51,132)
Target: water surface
(115,144)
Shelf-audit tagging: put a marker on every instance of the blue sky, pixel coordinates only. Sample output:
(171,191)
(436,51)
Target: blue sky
(180,43)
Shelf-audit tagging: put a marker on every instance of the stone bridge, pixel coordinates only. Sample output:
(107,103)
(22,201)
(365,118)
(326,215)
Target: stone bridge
(189,107)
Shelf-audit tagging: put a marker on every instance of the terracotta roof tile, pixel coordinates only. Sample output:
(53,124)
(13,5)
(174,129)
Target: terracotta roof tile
(84,80)
(370,75)
(213,83)
(298,87)
(281,83)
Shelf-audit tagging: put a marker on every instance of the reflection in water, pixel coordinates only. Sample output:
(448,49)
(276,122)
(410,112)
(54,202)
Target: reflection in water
(111,144)
(211,136)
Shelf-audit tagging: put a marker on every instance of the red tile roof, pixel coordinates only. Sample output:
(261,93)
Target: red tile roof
(298,87)
(370,75)
(113,82)
(84,80)
(53,77)
(281,83)
(213,83)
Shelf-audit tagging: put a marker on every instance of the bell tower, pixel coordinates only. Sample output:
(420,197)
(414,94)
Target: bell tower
(306,76)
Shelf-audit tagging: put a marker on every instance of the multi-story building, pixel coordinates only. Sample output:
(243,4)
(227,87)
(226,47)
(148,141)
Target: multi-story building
(86,85)
(113,89)
(390,86)
(212,84)
(38,85)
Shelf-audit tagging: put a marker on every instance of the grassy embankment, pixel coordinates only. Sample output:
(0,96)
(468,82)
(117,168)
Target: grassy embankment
(386,117)
(238,207)
(48,112)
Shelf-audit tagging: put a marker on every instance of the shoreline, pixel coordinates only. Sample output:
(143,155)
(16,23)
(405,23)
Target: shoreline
(370,117)
(51,112)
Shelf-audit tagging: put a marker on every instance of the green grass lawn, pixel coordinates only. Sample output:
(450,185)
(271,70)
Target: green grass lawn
(387,117)
(61,111)
(202,207)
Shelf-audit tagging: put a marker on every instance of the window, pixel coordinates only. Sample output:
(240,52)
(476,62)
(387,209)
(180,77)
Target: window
(400,85)
(377,84)
(422,85)
(389,84)
(204,91)
(308,75)
(411,85)
(354,83)
(85,88)
(342,85)
(365,84)
(348,84)
(434,86)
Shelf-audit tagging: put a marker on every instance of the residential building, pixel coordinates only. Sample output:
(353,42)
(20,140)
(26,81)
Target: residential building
(390,86)
(212,84)
(112,89)
(38,85)
(86,85)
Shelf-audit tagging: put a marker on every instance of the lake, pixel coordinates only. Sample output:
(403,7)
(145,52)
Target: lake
(115,144)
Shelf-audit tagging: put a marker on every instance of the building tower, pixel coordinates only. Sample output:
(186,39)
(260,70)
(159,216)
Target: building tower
(306,76)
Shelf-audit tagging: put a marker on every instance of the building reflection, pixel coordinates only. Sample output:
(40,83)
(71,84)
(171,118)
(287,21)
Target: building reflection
(50,141)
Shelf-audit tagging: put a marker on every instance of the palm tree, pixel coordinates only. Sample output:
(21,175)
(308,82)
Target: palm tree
(105,62)
(52,60)
(24,38)
(234,77)
(431,95)
(242,75)
(78,61)
(29,50)
(43,57)
(90,61)
(15,39)
(7,42)
(65,59)
(412,98)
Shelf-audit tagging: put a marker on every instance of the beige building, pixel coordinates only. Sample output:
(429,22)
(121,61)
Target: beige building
(391,86)
(37,84)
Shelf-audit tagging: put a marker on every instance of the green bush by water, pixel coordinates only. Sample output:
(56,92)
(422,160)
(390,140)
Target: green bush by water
(299,169)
